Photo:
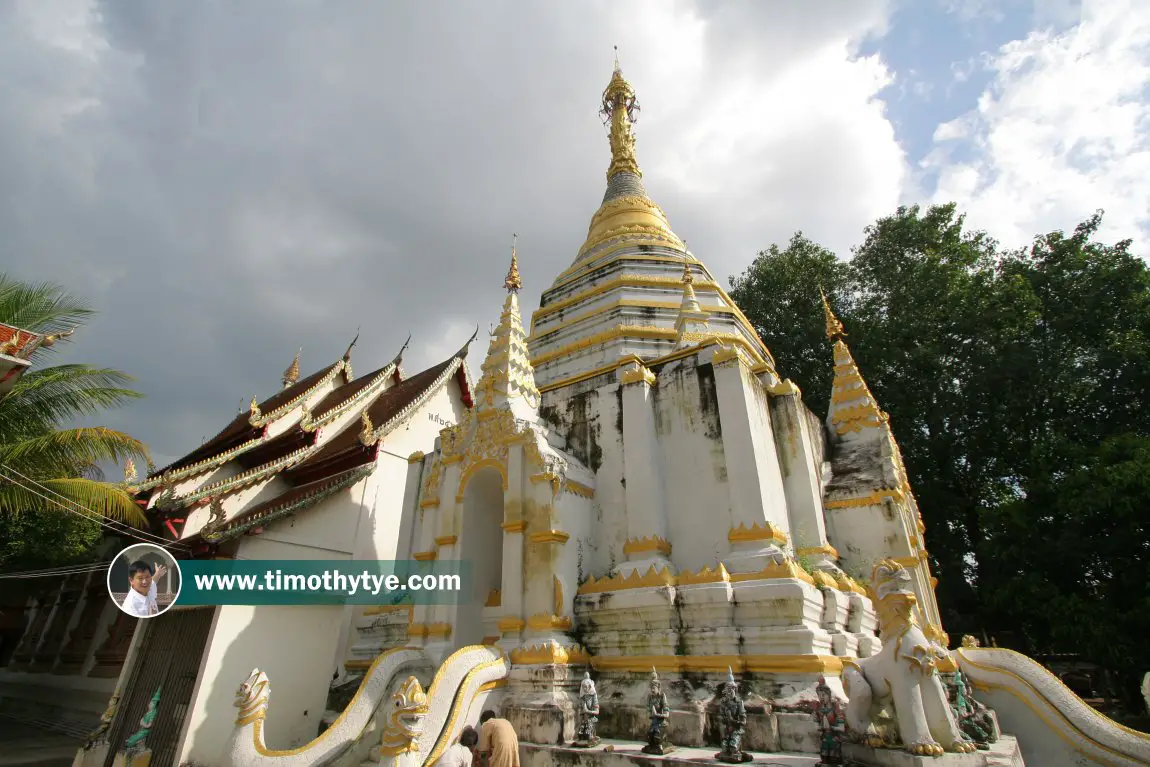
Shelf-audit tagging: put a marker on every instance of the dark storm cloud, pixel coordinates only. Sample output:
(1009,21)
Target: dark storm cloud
(229,181)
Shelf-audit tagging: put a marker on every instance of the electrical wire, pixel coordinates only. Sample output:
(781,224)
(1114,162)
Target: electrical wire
(119,527)
(116,527)
(77,571)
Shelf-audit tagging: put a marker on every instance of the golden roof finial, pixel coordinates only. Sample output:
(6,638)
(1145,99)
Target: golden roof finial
(834,327)
(291,375)
(367,430)
(130,473)
(620,108)
(513,283)
(254,409)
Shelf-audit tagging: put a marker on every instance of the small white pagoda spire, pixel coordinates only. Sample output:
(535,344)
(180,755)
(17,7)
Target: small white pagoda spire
(507,378)
(691,323)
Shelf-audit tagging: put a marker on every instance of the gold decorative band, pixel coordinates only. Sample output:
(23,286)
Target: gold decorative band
(543,622)
(759,531)
(425,556)
(514,527)
(811,551)
(550,536)
(446,540)
(641,545)
(508,624)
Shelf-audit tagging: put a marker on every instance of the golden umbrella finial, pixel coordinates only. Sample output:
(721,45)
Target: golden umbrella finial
(513,283)
(834,327)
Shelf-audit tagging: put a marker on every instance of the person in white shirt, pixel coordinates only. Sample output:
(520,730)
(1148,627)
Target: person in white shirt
(141,599)
(460,754)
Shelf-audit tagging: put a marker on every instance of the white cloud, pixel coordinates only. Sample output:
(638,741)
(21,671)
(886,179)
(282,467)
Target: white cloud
(1062,130)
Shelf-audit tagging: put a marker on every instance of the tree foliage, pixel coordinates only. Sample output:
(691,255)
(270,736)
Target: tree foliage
(46,464)
(1017,384)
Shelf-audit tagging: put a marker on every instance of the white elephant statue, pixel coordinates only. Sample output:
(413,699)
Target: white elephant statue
(903,676)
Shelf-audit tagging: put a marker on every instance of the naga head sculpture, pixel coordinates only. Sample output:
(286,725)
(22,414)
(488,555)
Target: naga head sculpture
(406,712)
(252,697)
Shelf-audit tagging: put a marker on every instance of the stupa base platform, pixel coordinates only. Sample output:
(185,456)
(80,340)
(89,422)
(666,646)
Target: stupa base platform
(628,753)
(1002,753)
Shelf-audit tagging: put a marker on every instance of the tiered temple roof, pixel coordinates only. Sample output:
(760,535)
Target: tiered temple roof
(312,463)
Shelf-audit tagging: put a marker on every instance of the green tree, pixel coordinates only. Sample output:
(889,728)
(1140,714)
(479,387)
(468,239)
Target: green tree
(1012,377)
(43,462)
(779,293)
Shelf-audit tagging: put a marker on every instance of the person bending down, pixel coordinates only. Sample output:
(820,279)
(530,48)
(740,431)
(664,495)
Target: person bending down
(461,754)
(141,599)
(498,743)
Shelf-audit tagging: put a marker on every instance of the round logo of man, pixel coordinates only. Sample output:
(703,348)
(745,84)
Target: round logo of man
(144,580)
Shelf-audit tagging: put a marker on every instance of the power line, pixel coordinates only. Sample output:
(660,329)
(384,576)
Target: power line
(88,513)
(76,571)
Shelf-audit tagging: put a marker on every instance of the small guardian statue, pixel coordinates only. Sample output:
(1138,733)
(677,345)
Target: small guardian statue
(832,725)
(733,722)
(660,711)
(588,713)
(973,718)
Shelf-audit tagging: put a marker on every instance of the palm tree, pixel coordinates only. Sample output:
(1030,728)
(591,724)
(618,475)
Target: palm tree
(63,464)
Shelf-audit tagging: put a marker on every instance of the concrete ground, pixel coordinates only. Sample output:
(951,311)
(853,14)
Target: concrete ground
(29,746)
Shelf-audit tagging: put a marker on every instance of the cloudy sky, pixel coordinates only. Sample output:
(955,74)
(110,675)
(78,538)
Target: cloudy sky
(227,181)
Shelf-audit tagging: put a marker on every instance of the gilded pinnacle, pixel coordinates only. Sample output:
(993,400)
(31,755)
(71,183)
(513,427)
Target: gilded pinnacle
(513,283)
(620,109)
(834,327)
(130,473)
(291,375)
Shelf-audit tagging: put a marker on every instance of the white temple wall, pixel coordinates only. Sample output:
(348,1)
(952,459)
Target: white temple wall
(293,645)
(800,464)
(694,465)
(754,477)
(865,535)
(592,421)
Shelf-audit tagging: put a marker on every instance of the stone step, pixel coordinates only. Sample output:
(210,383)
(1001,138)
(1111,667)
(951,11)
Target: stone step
(624,753)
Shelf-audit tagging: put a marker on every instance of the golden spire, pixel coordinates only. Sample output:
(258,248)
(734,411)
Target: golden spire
(620,109)
(254,410)
(507,377)
(834,327)
(854,412)
(291,375)
(130,473)
(513,283)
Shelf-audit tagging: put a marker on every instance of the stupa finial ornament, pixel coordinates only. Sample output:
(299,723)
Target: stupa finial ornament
(834,327)
(513,283)
(620,111)
(291,375)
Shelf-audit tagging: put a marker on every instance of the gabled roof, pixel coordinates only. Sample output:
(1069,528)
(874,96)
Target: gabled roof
(347,450)
(241,430)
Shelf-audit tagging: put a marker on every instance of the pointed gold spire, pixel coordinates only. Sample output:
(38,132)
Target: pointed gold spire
(130,473)
(834,327)
(854,412)
(507,375)
(254,411)
(620,108)
(513,283)
(291,375)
